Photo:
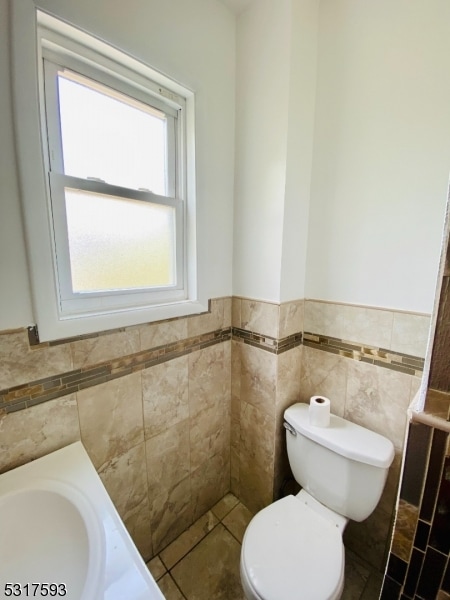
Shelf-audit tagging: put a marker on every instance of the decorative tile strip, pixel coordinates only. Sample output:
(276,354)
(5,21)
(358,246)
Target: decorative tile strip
(265,342)
(35,392)
(404,363)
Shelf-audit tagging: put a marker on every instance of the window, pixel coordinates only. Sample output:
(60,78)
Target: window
(118,245)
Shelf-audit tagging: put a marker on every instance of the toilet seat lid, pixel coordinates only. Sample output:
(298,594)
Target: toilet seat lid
(290,551)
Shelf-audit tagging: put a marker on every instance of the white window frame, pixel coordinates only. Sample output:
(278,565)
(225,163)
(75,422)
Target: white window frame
(59,317)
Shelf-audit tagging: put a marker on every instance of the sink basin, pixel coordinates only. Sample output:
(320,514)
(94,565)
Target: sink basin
(56,534)
(59,526)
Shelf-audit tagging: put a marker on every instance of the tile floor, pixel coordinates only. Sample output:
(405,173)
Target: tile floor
(203,562)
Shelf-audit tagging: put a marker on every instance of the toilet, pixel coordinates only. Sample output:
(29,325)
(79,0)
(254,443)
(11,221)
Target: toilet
(293,548)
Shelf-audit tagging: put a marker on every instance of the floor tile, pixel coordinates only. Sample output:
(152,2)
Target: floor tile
(156,568)
(169,588)
(237,520)
(373,587)
(211,570)
(187,540)
(224,506)
(356,577)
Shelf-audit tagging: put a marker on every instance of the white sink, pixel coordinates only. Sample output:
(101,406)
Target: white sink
(59,526)
(50,534)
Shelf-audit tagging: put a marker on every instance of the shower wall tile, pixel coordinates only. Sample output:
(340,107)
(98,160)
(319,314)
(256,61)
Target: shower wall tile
(20,363)
(115,408)
(37,431)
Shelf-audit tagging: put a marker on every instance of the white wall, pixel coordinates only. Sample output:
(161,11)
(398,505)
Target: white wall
(192,41)
(15,301)
(369,229)
(262,84)
(300,138)
(382,152)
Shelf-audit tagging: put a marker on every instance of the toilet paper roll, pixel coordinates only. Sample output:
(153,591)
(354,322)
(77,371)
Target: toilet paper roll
(319,411)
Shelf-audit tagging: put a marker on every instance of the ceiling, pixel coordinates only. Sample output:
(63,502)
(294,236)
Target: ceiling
(236,6)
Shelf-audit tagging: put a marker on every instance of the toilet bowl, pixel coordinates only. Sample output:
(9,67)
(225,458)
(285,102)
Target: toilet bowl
(293,549)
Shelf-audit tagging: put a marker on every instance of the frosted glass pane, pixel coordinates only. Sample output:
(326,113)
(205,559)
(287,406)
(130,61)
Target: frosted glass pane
(105,137)
(118,244)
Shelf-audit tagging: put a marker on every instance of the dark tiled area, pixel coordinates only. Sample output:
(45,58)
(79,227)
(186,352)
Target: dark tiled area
(418,565)
(203,562)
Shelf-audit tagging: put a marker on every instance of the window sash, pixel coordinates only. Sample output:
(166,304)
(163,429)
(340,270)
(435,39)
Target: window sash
(55,163)
(96,301)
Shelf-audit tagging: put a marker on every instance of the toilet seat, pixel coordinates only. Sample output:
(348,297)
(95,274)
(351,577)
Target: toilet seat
(290,551)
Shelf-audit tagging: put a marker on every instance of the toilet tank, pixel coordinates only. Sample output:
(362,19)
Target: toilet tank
(344,466)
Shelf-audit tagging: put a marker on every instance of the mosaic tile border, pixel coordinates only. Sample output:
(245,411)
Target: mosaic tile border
(380,357)
(265,342)
(42,390)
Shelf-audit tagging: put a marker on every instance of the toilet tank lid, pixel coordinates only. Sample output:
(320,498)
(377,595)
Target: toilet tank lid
(343,437)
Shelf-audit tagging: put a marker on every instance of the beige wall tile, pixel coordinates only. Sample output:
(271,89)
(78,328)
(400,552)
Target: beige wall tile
(125,479)
(165,395)
(324,318)
(410,333)
(158,334)
(368,326)
(258,378)
(171,512)
(256,457)
(289,378)
(207,322)
(358,324)
(260,317)
(378,399)
(236,312)
(111,418)
(168,457)
(291,318)
(92,351)
(209,378)
(324,374)
(169,486)
(227,312)
(209,434)
(34,432)
(19,363)
(210,482)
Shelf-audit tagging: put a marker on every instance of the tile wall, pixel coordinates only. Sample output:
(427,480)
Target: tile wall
(185,410)
(369,363)
(151,405)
